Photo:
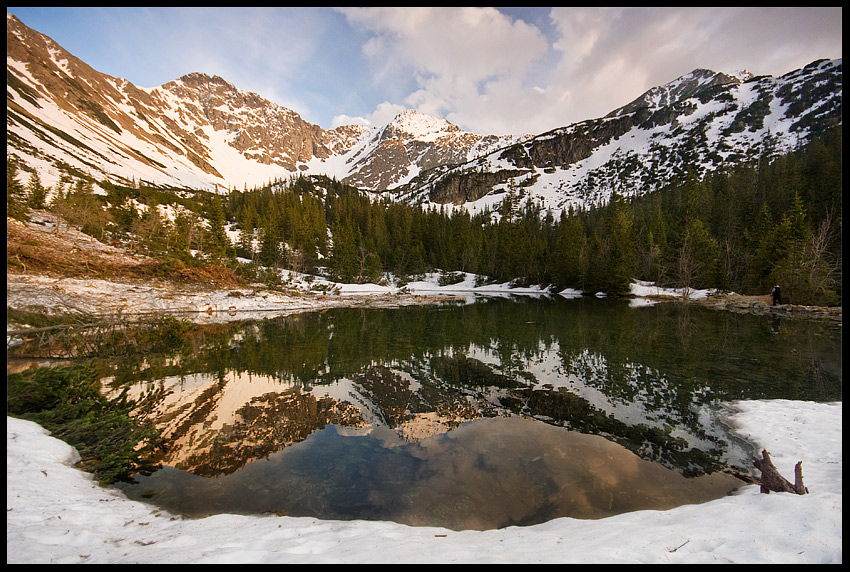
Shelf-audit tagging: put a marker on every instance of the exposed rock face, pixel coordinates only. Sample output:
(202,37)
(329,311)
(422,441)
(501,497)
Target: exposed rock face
(257,128)
(702,121)
(181,117)
(411,143)
(467,188)
(688,86)
(201,132)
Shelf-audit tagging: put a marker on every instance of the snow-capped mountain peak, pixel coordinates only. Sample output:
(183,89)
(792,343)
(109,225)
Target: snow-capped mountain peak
(420,126)
(201,131)
(698,123)
(677,90)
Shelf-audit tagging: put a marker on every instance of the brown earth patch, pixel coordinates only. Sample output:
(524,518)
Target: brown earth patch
(36,248)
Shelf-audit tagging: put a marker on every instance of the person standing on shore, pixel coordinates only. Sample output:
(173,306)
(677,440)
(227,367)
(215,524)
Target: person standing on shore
(777,295)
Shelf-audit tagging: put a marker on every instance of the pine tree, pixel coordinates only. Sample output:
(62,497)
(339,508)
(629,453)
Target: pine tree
(622,257)
(246,233)
(345,255)
(698,257)
(82,208)
(790,270)
(16,204)
(270,251)
(218,247)
(764,244)
(598,273)
(510,204)
(188,233)
(37,192)
(570,253)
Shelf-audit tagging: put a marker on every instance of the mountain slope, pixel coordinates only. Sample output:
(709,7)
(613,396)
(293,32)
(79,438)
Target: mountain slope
(412,142)
(700,122)
(196,131)
(203,132)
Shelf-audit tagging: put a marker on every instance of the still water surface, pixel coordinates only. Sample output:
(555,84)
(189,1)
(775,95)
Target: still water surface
(498,413)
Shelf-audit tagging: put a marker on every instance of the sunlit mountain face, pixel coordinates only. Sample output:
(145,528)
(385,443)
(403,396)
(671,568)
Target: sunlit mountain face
(200,131)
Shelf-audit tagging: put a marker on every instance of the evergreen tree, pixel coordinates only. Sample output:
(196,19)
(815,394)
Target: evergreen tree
(270,253)
(246,233)
(764,246)
(188,233)
(698,257)
(345,255)
(571,254)
(37,192)
(218,246)
(16,203)
(622,259)
(82,208)
(790,270)
(597,274)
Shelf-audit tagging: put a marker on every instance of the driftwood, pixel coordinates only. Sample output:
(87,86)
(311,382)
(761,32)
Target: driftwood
(771,480)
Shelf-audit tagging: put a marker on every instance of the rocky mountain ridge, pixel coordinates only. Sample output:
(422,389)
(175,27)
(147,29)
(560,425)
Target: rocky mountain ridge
(197,131)
(200,131)
(698,123)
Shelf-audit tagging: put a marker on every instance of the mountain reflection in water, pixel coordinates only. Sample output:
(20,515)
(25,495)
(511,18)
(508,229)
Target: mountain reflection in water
(476,417)
(485,474)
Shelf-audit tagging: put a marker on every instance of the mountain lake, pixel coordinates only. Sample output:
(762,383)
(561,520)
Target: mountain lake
(468,416)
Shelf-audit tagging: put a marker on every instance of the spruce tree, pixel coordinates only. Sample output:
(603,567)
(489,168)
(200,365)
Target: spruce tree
(37,192)
(16,204)
(790,271)
(698,257)
(622,257)
(218,247)
(270,252)
(570,253)
(246,233)
(345,255)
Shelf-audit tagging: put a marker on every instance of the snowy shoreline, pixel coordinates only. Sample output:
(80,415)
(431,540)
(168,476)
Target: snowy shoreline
(303,293)
(56,513)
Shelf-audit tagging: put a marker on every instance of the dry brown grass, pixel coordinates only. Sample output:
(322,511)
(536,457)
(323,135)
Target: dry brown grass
(34,249)
(37,249)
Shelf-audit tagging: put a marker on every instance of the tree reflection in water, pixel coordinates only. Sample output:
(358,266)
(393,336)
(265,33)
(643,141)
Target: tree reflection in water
(480,416)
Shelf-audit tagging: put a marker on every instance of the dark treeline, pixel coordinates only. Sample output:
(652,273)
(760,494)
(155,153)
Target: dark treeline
(741,230)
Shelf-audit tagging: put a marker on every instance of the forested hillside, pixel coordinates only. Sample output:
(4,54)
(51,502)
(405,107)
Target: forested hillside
(741,230)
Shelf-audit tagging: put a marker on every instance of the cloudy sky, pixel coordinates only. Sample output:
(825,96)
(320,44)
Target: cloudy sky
(488,70)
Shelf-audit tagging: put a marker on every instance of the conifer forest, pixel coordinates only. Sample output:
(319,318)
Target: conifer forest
(741,230)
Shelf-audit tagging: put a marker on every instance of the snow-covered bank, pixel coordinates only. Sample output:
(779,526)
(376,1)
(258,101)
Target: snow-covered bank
(55,513)
(210,305)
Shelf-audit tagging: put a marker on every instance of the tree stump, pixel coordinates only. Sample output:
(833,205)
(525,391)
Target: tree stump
(771,480)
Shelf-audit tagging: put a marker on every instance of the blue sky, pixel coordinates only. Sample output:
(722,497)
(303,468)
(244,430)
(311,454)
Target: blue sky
(488,70)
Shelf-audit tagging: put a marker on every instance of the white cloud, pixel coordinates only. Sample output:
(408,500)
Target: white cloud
(613,55)
(456,57)
(492,73)
(339,120)
(383,114)
(517,70)
(473,42)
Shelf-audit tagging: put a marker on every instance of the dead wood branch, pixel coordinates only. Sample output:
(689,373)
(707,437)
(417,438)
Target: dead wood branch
(753,480)
(772,481)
